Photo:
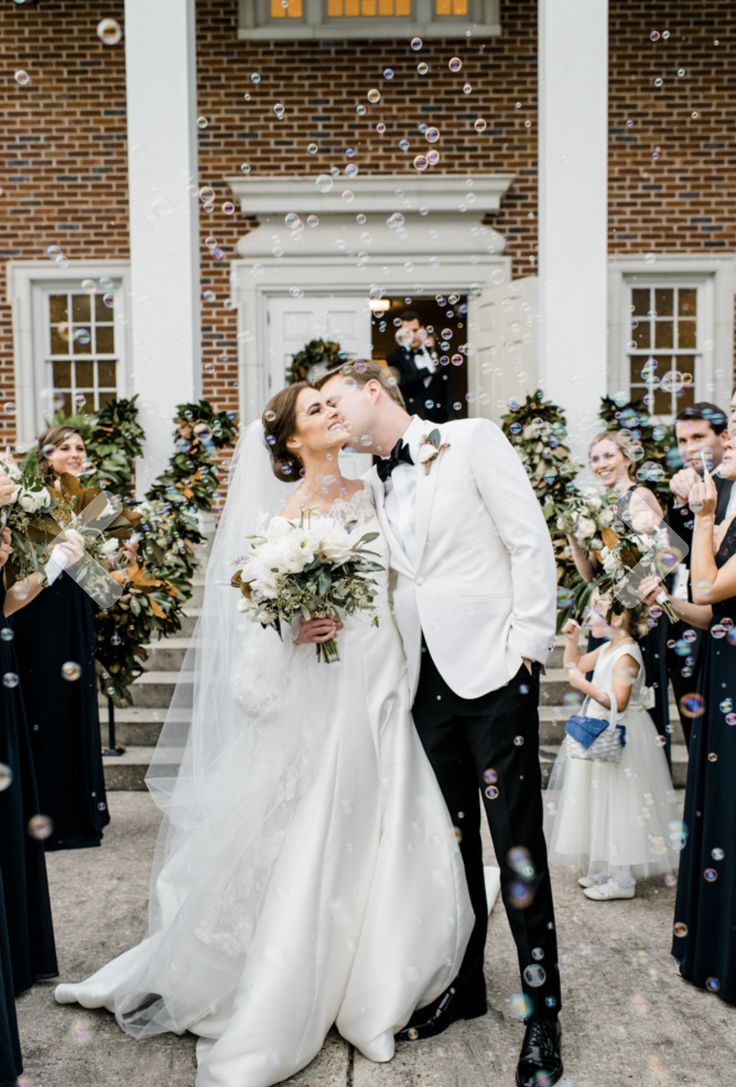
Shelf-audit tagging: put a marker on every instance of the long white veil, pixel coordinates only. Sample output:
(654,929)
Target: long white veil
(235,755)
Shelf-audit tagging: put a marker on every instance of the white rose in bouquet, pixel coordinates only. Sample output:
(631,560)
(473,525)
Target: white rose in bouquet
(586,527)
(33,501)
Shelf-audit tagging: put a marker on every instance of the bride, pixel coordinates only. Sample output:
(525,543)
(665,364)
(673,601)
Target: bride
(307,871)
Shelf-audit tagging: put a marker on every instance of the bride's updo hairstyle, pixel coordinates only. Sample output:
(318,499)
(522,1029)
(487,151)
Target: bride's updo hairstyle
(279,424)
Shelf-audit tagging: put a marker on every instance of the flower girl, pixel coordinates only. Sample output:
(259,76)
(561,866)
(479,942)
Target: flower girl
(617,820)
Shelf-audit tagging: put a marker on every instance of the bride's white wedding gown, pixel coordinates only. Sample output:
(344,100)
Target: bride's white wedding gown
(350,905)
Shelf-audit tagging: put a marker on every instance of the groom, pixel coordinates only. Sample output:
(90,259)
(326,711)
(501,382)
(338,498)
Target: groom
(473,585)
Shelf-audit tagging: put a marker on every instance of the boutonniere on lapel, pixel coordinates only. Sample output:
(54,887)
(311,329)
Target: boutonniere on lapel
(430,449)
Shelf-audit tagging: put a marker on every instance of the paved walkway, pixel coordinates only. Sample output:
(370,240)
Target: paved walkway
(629,1020)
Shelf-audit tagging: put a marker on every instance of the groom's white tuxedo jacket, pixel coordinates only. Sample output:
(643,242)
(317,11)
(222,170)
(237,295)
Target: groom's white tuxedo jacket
(480,583)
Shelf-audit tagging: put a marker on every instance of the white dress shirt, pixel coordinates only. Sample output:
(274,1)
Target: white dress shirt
(401,489)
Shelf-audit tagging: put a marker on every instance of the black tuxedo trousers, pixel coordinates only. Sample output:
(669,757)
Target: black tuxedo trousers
(487,749)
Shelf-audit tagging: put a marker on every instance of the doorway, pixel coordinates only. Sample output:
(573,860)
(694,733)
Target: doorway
(445,318)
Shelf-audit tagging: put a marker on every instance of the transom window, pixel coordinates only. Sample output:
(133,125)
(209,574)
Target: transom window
(294,19)
(664,346)
(79,348)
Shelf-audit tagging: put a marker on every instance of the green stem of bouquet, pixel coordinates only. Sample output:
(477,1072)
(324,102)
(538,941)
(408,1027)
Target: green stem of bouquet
(328,651)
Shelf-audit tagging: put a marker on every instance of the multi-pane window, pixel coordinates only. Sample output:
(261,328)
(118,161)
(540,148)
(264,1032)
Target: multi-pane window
(663,348)
(351,9)
(80,355)
(451,7)
(286,9)
(287,19)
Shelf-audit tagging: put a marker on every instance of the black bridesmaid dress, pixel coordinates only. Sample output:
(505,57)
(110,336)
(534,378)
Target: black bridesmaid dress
(705,909)
(57,629)
(11,1064)
(22,857)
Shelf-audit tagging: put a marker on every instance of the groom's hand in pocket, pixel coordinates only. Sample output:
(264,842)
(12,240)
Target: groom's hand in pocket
(314,631)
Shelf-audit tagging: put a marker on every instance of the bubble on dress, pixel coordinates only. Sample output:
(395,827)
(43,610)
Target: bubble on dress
(6,777)
(680,929)
(535,975)
(692,705)
(10,679)
(40,827)
(70,670)
(710,875)
(712,985)
(717,854)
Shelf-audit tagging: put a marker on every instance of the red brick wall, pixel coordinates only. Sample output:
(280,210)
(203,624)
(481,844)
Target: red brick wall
(320,84)
(672,168)
(63,166)
(63,161)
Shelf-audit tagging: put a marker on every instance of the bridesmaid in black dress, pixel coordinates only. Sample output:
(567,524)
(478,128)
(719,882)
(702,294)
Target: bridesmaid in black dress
(11,1064)
(705,912)
(55,648)
(611,462)
(22,857)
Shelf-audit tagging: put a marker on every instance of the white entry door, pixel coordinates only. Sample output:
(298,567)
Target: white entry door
(503,330)
(293,322)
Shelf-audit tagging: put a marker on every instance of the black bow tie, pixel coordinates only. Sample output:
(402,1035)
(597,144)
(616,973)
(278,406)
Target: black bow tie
(400,454)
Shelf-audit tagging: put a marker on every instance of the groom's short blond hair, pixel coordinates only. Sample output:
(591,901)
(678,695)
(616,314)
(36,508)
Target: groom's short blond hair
(360,372)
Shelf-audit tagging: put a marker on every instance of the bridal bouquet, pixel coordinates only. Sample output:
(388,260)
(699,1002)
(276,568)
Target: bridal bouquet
(589,517)
(633,558)
(313,568)
(28,517)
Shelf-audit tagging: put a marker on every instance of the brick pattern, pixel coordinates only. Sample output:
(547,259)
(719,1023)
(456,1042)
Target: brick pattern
(63,164)
(320,84)
(672,156)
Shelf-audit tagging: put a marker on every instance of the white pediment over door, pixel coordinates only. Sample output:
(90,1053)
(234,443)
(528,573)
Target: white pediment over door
(430,216)
(395,237)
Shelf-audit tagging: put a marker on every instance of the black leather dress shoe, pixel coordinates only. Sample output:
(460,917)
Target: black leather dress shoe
(540,1064)
(437,1016)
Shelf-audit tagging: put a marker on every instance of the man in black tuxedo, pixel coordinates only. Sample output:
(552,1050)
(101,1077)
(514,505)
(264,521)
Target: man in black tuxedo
(425,385)
(701,432)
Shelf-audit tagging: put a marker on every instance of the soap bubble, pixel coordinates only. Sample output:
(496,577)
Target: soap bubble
(22,78)
(422,67)
(416,44)
(455,64)
(40,827)
(480,124)
(6,777)
(109,31)
(432,134)
(374,96)
(324,183)
(388,73)
(535,975)
(70,670)
(692,705)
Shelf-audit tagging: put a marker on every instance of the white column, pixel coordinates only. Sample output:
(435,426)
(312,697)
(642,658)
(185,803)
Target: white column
(164,306)
(573,205)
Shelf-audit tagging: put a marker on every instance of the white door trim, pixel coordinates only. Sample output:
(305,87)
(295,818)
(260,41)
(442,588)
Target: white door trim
(252,285)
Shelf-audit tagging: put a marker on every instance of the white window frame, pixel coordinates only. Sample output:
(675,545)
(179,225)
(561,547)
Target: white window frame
(715,281)
(29,284)
(255,23)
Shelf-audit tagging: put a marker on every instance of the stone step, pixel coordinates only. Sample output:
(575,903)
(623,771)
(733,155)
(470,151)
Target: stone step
(155,689)
(128,771)
(167,655)
(139,726)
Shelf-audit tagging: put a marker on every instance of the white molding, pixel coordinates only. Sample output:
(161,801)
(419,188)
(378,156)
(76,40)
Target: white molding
(374,192)
(715,275)
(335,274)
(22,277)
